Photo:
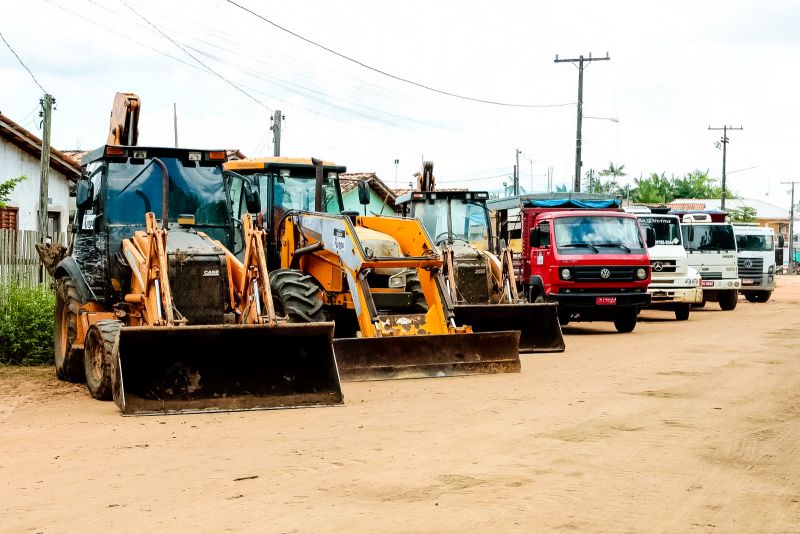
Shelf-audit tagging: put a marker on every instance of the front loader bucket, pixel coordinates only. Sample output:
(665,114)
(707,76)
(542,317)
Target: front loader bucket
(427,356)
(538,324)
(219,368)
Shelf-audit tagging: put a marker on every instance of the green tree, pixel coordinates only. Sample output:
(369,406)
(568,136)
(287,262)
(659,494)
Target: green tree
(698,184)
(7,187)
(561,188)
(613,171)
(652,190)
(744,214)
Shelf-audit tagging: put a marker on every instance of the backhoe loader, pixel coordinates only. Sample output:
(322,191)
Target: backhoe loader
(177,317)
(379,278)
(478,271)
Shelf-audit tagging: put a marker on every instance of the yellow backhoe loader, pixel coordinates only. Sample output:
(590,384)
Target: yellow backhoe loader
(379,278)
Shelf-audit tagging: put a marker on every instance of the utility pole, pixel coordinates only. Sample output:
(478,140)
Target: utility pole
(516,174)
(578,139)
(791,225)
(396,162)
(175,122)
(46,102)
(276,132)
(549,179)
(724,157)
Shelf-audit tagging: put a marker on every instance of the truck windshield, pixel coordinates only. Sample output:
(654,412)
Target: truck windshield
(755,242)
(469,220)
(135,189)
(667,229)
(598,231)
(708,237)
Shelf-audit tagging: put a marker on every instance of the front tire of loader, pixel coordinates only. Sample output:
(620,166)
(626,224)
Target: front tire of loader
(101,351)
(68,360)
(296,296)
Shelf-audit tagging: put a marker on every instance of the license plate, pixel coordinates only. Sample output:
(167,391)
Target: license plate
(606,301)
(708,283)
(747,282)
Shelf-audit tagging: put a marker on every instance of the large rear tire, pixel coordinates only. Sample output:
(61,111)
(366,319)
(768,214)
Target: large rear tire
(100,354)
(297,296)
(68,360)
(682,312)
(625,321)
(727,300)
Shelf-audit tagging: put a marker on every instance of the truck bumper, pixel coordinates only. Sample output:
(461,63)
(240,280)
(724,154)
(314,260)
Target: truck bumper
(585,301)
(675,295)
(727,284)
(767,283)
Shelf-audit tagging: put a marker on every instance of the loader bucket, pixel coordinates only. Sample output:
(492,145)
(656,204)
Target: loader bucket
(427,356)
(538,324)
(220,368)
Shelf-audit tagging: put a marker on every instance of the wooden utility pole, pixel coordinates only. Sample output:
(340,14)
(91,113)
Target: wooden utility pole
(724,157)
(516,175)
(276,132)
(580,60)
(791,225)
(46,102)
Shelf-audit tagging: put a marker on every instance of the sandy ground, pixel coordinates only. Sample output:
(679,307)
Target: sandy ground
(677,427)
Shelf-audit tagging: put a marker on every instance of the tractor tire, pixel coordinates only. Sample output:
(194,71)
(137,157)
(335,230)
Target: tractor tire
(296,295)
(100,354)
(68,360)
(625,321)
(682,312)
(727,300)
(418,302)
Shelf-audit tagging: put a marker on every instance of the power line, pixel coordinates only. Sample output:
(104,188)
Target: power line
(393,76)
(208,69)
(23,64)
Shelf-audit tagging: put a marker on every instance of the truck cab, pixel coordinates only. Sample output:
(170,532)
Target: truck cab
(585,254)
(756,260)
(674,285)
(711,249)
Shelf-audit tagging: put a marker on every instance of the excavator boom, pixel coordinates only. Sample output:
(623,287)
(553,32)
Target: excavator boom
(124,123)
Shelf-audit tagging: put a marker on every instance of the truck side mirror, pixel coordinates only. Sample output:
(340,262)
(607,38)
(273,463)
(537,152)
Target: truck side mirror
(84,192)
(650,237)
(363,193)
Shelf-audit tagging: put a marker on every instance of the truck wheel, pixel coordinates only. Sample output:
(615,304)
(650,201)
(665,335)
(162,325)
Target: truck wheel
(764,295)
(625,321)
(69,361)
(682,311)
(758,296)
(417,295)
(296,295)
(727,300)
(563,319)
(751,296)
(101,351)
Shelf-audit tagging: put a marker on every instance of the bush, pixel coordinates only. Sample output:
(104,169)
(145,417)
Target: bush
(26,324)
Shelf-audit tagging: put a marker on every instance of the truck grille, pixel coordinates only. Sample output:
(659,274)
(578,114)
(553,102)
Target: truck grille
(663,266)
(593,274)
(711,275)
(755,270)
(199,287)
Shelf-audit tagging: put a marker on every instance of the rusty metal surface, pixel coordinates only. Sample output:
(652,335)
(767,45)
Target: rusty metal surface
(50,254)
(427,356)
(186,369)
(538,324)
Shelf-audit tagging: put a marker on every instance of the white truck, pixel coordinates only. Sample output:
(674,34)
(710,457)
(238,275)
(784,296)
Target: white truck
(711,249)
(674,285)
(756,246)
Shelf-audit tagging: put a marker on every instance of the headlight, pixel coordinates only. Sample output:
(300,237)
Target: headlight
(771,269)
(566,274)
(641,273)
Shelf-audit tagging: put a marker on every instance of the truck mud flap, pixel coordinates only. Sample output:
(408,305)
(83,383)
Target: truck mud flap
(427,356)
(220,368)
(538,324)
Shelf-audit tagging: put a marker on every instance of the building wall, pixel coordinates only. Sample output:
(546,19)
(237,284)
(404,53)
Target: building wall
(25,197)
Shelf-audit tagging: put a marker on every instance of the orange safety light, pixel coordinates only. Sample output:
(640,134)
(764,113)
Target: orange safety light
(115,151)
(216,154)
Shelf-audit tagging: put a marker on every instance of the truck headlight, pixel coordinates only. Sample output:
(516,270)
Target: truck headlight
(771,269)
(641,273)
(566,274)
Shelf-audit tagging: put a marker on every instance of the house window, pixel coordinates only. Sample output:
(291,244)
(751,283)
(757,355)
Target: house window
(8,218)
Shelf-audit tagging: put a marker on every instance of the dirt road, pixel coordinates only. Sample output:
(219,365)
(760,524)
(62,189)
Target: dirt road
(677,427)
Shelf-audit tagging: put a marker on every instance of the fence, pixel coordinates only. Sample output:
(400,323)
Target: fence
(19,262)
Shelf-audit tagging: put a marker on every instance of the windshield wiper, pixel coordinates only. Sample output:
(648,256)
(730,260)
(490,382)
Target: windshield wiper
(575,245)
(620,245)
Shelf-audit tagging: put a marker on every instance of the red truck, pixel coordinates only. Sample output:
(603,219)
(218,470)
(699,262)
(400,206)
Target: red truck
(580,251)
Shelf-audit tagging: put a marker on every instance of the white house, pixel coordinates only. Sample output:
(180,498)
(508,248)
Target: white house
(20,153)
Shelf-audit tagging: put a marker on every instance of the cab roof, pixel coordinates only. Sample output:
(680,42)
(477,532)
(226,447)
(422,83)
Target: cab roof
(277,162)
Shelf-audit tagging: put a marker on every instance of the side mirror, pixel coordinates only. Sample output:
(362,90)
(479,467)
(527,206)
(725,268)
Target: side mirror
(252,200)
(650,237)
(84,193)
(533,238)
(363,193)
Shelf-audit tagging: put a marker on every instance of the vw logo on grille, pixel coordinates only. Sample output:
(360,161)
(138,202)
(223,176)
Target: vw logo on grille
(605,273)
(658,266)
(748,264)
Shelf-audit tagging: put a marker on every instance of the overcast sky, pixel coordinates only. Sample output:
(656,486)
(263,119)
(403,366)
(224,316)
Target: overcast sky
(676,68)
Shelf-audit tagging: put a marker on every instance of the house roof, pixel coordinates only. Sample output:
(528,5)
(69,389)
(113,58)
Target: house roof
(350,180)
(763,209)
(27,142)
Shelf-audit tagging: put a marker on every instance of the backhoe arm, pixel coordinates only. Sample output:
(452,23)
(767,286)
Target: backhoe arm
(124,123)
